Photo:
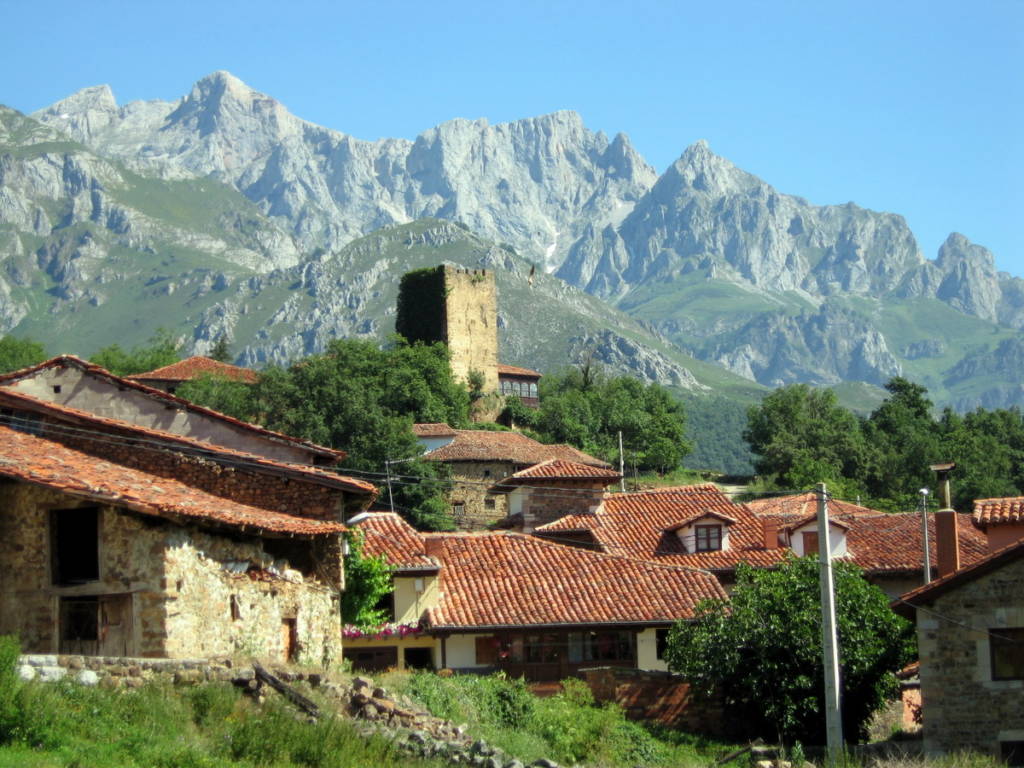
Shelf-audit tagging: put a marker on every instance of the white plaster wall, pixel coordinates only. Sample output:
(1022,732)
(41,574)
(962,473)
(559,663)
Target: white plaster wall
(647,651)
(92,394)
(836,539)
(515,500)
(461,651)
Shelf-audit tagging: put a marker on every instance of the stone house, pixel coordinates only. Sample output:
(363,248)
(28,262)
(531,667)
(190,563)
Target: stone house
(478,459)
(170,377)
(480,602)
(700,526)
(970,629)
(119,539)
(521,382)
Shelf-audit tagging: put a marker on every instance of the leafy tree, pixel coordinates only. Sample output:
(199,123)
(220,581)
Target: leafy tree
(904,441)
(235,398)
(363,400)
(803,436)
(19,353)
(988,448)
(367,582)
(762,649)
(583,407)
(161,350)
(221,351)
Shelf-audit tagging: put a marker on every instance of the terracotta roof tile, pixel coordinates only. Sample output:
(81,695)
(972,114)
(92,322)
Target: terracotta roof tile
(637,525)
(485,445)
(193,367)
(433,430)
(388,535)
(640,525)
(511,370)
(802,504)
(19,400)
(513,580)
(563,469)
(159,394)
(52,465)
(999,511)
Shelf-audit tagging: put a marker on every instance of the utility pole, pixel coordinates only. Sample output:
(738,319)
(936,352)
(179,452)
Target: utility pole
(924,536)
(830,646)
(387,472)
(622,465)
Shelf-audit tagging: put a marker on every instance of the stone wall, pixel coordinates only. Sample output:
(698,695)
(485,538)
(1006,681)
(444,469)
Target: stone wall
(657,696)
(471,324)
(470,483)
(546,503)
(176,591)
(963,708)
(259,489)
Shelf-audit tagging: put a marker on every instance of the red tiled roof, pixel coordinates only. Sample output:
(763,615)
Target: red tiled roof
(193,367)
(701,516)
(485,445)
(563,469)
(512,580)
(159,394)
(52,465)
(636,525)
(511,370)
(876,541)
(19,400)
(640,525)
(928,592)
(432,430)
(390,536)
(803,504)
(999,511)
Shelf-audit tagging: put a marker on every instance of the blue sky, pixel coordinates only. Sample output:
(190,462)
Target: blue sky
(906,106)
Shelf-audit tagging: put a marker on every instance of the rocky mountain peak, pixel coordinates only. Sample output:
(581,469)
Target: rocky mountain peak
(958,248)
(83,114)
(95,97)
(701,170)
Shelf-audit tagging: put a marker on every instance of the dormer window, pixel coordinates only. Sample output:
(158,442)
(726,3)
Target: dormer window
(708,538)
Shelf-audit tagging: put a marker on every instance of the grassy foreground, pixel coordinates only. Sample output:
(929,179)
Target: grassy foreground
(568,728)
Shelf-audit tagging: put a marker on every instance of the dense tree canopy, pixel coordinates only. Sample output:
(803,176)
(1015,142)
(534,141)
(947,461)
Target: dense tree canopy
(363,400)
(19,353)
(161,350)
(588,409)
(367,581)
(762,650)
(802,436)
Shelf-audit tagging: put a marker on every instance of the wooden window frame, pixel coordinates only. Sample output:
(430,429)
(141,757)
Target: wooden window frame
(706,535)
(1007,639)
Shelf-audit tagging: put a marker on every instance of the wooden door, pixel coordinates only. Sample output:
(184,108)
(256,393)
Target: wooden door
(289,639)
(115,625)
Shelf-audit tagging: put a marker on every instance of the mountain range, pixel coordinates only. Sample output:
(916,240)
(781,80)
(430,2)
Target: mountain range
(223,213)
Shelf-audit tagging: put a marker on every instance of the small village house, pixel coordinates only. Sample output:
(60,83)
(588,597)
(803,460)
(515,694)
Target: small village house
(481,602)
(128,540)
(479,459)
(1002,520)
(970,629)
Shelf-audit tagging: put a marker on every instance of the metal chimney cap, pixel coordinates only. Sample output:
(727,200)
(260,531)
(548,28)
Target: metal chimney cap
(945,466)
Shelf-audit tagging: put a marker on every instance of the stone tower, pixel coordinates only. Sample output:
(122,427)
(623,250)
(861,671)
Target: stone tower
(459,307)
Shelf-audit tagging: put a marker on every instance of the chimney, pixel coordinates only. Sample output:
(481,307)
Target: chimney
(433,546)
(771,533)
(947,538)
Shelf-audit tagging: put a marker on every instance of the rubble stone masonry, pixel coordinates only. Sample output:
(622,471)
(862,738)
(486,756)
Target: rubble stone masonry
(963,707)
(181,591)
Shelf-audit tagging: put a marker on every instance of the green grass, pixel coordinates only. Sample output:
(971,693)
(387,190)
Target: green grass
(568,727)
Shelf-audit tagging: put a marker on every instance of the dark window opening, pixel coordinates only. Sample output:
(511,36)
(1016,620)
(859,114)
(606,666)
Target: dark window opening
(79,624)
(661,642)
(488,503)
(1007,649)
(373,659)
(387,604)
(56,389)
(459,512)
(236,609)
(419,658)
(1012,752)
(298,553)
(709,538)
(601,646)
(74,545)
